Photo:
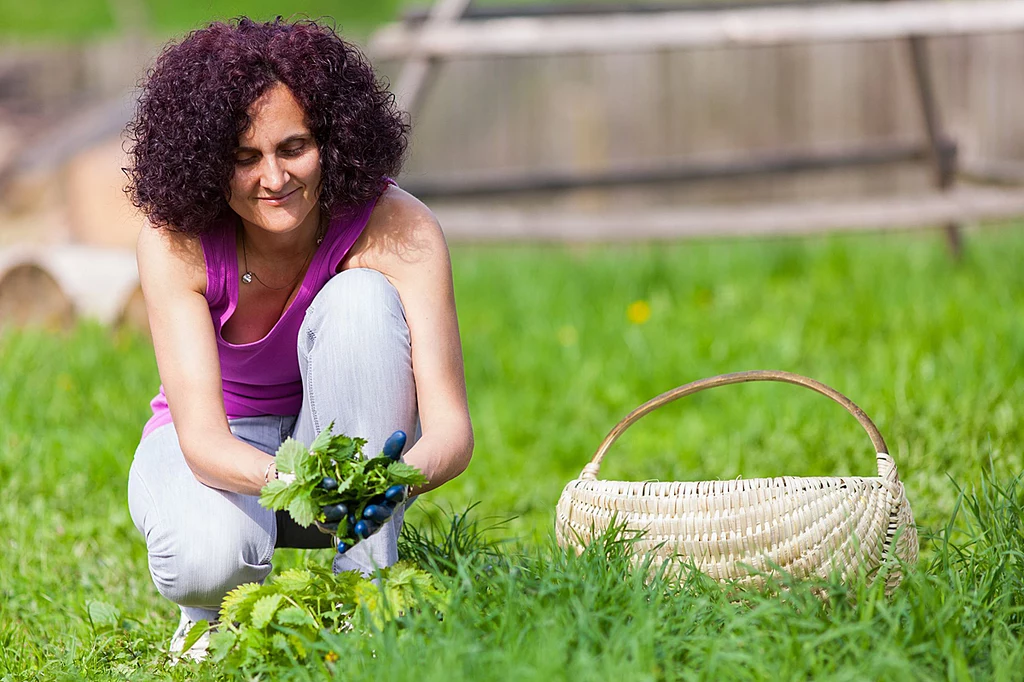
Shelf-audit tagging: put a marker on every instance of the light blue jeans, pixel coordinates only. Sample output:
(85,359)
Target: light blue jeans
(356,363)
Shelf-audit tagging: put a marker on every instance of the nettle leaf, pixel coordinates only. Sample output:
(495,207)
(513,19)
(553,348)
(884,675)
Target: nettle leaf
(370,601)
(264,609)
(406,474)
(352,480)
(322,440)
(321,574)
(280,642)
(405,573)
(277,495)
(293,581)
(295,616)
(345,448)
(253,642)
(198,630)
(289,455)
(405,586)
(237,605)
(303,510)
(307,470)
(221,644)
(340,588)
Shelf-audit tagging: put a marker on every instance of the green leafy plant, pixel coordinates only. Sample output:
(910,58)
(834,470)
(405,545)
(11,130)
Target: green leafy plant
(355,482)
(281,620)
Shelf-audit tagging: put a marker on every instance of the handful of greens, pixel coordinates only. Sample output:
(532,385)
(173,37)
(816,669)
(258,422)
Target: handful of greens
(332,474)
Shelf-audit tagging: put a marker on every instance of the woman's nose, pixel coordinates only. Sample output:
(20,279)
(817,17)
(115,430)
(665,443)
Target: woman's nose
(274,176)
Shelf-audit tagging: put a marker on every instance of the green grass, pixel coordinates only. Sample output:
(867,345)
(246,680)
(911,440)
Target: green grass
(78,20)
(58,19)
(87,19)
(929,348)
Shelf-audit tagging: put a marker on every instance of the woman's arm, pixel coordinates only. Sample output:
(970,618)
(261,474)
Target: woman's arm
(404,242)
(173,276)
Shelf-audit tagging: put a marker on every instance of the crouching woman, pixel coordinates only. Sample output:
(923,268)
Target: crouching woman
(289,284)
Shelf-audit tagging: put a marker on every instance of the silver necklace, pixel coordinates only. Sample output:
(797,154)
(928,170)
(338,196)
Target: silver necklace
(249,275)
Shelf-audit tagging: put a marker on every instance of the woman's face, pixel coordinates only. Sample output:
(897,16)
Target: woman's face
(275,185)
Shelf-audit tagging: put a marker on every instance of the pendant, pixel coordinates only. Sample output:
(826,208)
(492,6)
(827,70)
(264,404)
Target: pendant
(247,277)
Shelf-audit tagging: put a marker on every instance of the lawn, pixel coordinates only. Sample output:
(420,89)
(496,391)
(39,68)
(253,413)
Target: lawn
(78,20)
(560,343)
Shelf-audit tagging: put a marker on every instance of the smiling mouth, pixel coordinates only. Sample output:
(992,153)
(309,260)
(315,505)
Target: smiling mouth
(277,201)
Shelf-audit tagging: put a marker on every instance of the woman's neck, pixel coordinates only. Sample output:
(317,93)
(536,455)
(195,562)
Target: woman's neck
(290,245)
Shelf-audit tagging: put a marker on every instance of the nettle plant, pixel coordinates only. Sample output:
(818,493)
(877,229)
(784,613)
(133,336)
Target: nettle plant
(282,619)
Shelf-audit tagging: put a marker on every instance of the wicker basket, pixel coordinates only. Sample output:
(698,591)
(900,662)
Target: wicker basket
(746,528)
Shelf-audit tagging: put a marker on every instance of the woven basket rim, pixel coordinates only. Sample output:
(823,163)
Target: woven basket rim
(728,480)
(884,461)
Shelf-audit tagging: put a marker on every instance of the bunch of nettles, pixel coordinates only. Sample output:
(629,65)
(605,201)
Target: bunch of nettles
(334,484)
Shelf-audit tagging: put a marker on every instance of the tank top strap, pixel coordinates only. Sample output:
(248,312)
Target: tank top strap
(350,227)
(216,251)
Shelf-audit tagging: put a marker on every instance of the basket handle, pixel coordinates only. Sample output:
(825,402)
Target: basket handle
(886,465)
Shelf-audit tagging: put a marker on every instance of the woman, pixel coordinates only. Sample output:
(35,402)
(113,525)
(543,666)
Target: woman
(289,284)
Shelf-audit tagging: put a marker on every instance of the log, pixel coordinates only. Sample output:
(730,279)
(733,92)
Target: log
(56,284)
(133,314)
(709,29)
(99,280)
(29,296)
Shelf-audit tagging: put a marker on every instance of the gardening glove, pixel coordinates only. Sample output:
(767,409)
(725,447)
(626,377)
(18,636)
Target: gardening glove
(378,512)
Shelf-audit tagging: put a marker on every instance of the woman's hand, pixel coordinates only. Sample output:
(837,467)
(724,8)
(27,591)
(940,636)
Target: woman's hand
(380,509)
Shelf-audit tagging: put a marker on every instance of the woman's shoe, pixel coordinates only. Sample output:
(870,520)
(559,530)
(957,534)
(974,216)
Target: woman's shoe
(196,652)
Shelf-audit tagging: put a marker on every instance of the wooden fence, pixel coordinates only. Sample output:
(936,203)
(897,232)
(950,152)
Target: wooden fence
(589,112)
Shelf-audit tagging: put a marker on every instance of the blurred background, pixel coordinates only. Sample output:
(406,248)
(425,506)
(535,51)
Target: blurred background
(536,120)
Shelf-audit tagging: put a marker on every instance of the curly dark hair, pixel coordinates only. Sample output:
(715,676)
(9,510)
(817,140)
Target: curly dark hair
(193,108)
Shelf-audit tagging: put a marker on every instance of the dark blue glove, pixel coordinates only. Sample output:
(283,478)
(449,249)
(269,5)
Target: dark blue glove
(375,514)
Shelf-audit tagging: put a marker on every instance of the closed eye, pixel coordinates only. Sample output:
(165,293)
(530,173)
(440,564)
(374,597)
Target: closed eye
(295,150)
(246,157)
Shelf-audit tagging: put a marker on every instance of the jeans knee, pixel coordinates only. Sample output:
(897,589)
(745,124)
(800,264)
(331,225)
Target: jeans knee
(358,305)
(202,576)
(359,293)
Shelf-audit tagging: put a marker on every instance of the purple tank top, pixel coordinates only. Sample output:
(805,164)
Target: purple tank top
(262,377)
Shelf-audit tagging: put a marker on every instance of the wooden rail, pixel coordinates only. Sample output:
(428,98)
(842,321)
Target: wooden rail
(576,8)
(497,224)
(717,167)
(709,29)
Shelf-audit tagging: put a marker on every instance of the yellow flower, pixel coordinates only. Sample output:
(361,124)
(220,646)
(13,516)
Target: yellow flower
(638,312)
(331,657)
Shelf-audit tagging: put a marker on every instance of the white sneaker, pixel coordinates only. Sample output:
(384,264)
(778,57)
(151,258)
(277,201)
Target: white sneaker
(197,652)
